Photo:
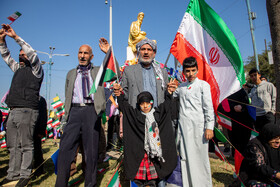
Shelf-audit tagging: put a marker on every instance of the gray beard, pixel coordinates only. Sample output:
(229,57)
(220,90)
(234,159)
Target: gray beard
(145,62)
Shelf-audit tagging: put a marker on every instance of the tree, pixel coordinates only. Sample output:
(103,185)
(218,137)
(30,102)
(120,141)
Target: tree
(273,12)
(266,69)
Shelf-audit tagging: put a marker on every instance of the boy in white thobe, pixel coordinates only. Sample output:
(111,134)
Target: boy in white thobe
(196,123)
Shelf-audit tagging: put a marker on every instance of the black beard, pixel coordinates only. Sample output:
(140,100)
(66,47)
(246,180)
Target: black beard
(24,60)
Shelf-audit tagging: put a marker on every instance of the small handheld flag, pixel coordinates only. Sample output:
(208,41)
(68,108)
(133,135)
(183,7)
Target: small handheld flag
(14,16)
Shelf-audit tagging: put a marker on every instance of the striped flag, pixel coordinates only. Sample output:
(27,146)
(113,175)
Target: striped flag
(219,135)
(14,16)
(50,120)
(115,181)
(4,110)
(218,153)
(49,127)
(55,123)
(43,139)
(224,121)
(57,104)
(60,112)
(3,140)
(204,35)
(51,134)
(254,134)
(106,71)
(4,145)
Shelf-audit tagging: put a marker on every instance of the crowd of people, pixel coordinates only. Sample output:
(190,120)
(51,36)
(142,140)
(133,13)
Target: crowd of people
(162,124)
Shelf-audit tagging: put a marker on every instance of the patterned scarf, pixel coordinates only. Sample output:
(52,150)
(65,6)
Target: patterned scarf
(152,143)
(159,73)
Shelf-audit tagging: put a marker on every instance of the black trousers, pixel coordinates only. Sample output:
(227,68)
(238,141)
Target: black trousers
(263,120)
(113,126)
(38,154)
(83,122)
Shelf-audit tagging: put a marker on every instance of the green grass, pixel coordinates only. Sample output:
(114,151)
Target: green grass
(222,173)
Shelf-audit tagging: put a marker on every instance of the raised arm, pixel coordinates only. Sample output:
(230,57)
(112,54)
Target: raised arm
(5,53)
(32,56)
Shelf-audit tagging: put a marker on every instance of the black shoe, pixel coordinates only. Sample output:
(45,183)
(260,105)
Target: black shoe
(6,181)
(22,182)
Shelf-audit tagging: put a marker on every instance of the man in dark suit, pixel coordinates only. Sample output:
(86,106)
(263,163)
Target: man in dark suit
(145,76)
(83,116)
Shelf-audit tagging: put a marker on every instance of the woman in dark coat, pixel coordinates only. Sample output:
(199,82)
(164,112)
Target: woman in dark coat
(261,165)
(164,160)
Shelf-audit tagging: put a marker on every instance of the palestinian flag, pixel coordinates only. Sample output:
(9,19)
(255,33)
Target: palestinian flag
(218,153)
(55,123)
(60,112)
(4,110)
(57,104)
(224,121)
(106,71)
(204,35)
(115,180)
(14,16)
(50,120)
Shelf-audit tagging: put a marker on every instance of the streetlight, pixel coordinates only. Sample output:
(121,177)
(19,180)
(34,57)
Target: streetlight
(110,29)
(252,16)
(50,63)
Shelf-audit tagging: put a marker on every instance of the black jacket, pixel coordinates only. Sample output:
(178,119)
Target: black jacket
(134,134)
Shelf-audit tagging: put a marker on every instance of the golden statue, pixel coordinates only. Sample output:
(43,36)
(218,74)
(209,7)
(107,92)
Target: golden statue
(135,33)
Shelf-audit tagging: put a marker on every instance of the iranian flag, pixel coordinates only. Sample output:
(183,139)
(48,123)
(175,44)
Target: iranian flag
(50,120)
(204,35)
(60,112)
(4,110)
(51,134)
(224,121)
(57,104)
(254,134)
(106,71)
(14,16)
(3,140)
(115,180)
(218,153)
(55,123)
(4,145)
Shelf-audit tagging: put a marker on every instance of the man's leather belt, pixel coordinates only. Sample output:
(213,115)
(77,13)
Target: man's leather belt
(81,104)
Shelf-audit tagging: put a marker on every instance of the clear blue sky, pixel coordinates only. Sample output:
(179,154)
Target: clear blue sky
(67,24)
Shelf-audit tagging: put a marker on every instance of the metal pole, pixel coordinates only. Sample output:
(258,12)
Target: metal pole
(47,69)
(252,34)
(111,29)
(50,64)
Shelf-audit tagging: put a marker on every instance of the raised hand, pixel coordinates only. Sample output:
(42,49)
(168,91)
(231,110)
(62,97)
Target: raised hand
(172,85)
(104,45)
(2,36)
(117,89)
(10,31)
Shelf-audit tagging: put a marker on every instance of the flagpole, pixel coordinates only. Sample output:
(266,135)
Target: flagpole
(115,65)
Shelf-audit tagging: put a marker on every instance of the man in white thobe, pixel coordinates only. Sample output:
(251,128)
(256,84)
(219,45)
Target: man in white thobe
(196,123)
